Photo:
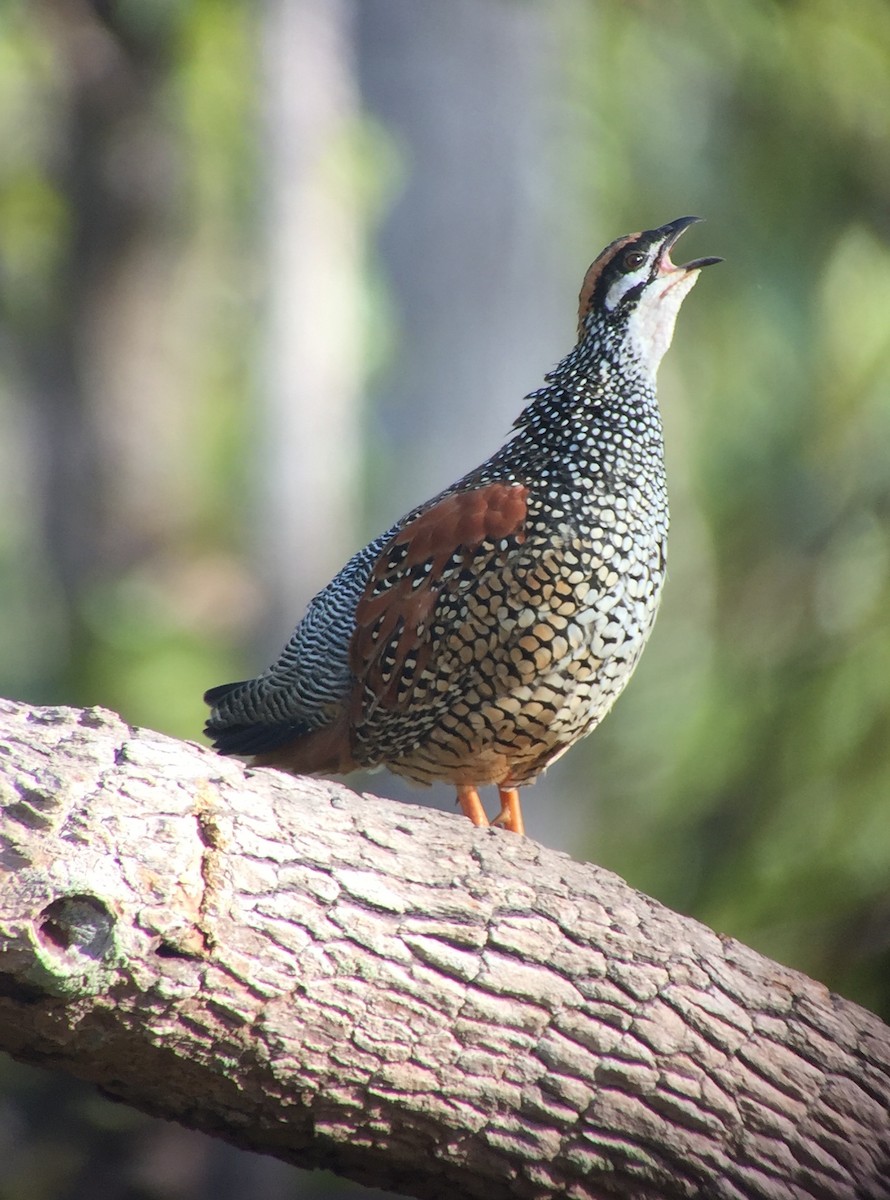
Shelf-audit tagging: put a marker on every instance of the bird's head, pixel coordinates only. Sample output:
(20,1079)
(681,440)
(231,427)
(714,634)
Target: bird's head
(632,293)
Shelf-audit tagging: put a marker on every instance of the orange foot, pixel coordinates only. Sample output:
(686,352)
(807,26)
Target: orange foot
(510,816)
(471,805)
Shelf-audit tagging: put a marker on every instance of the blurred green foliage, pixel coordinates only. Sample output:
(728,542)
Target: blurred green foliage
(135,630)
(746,775)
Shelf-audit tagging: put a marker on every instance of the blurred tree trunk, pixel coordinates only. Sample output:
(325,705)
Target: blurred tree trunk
(307,463)
(482,283)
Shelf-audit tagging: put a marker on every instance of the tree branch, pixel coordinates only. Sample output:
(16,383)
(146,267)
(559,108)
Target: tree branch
(386,991)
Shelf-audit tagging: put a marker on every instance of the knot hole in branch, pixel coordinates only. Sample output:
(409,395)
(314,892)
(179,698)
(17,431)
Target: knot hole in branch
(80,923)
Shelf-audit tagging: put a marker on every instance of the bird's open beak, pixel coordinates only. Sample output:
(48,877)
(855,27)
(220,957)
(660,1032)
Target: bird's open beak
(672,234)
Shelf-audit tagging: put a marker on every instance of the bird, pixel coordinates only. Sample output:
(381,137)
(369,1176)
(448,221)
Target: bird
(494,625)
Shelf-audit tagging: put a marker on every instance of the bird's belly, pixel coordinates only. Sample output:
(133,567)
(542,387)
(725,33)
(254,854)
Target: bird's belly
(547,685)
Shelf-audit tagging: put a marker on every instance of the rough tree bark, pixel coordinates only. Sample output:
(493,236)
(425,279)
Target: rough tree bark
(386,991)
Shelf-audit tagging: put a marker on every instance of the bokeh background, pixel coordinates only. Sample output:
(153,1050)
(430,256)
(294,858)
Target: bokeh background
(273,272)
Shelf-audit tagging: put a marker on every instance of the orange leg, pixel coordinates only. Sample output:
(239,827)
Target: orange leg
(471,805)
(510,816)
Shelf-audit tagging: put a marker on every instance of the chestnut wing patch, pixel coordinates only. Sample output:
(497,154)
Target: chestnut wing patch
(442,549)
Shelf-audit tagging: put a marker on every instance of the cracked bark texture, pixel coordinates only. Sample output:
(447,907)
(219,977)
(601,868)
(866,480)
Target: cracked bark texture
(386,991)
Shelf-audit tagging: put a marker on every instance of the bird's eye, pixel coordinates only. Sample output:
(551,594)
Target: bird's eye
(633,259)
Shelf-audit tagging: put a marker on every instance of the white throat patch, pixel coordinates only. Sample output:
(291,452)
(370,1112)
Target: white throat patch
(650,327)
